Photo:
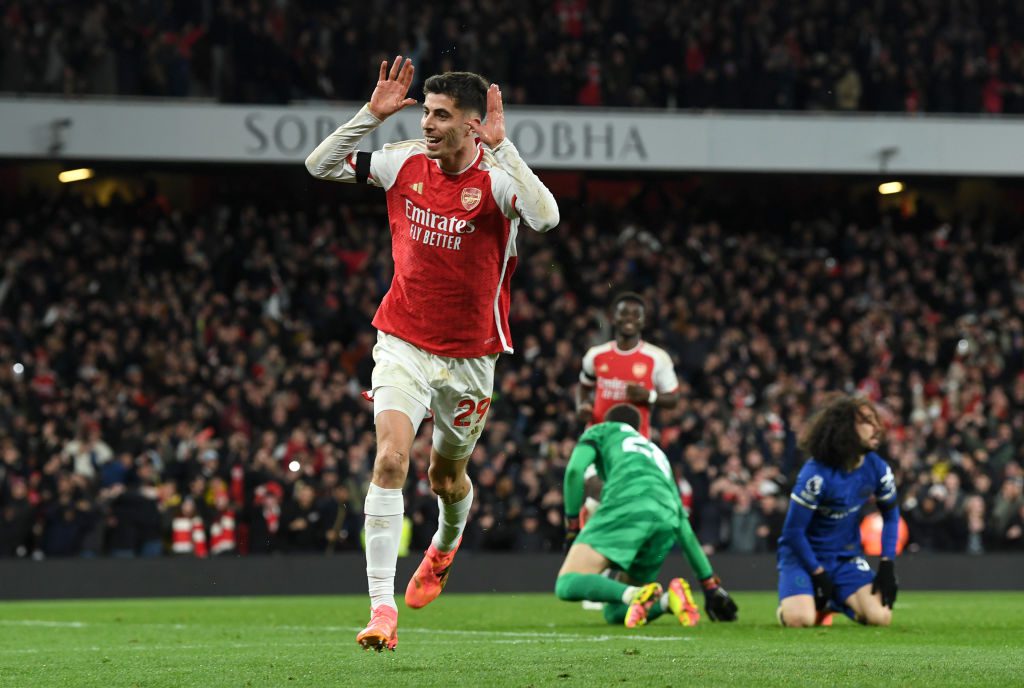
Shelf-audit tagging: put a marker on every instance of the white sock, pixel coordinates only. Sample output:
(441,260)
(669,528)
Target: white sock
(384,510)
(451,521)
(663,602)
(630,591)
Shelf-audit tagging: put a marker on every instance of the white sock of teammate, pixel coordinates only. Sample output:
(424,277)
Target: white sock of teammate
(628,593)
(451,521)
(384,510)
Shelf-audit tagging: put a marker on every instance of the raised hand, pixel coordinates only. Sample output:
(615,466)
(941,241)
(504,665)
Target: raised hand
(492,130)
(392,87)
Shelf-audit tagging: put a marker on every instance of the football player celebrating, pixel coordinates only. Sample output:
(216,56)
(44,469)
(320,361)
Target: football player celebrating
(820,559)
(626,369)
(456,199)
(640,519)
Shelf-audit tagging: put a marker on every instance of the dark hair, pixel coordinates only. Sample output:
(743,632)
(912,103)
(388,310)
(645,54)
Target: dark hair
(830,435)
(467,90)
(624,413)
(629,296)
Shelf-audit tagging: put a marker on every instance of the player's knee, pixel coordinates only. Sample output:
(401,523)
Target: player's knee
(795,618)
(563,587)
(878,616)
(390,465)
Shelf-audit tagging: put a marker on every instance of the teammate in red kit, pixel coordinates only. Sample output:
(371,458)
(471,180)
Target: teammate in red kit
(626,369)
(456,199)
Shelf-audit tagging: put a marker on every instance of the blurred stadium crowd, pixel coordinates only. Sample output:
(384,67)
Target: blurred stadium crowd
(191,383)
(915,55)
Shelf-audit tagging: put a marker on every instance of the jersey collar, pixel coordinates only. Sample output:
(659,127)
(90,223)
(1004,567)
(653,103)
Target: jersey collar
(615,347)
(476,159)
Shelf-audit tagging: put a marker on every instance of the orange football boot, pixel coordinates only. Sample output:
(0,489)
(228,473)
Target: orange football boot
(382,631)
(430,577)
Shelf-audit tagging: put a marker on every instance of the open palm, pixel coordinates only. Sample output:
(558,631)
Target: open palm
(492,130)
(392,87)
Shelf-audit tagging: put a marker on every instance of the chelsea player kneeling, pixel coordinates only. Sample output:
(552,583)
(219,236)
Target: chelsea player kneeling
(820,560)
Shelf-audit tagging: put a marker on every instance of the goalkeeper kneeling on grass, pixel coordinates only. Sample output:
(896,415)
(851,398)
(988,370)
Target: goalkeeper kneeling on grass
(640,519)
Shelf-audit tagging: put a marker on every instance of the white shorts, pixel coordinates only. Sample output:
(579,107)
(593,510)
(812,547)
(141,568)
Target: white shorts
(456,390)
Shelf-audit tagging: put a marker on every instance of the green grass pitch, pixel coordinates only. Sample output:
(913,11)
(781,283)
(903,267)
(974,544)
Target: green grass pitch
(478,641)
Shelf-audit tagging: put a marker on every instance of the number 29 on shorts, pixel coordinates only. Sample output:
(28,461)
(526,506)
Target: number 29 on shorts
(468,408)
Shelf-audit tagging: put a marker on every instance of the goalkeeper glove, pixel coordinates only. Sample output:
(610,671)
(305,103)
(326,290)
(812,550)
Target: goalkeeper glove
(822,590)
(717,602)
(572,529)
(885,582)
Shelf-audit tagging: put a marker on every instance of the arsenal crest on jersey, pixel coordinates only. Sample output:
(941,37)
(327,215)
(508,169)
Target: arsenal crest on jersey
(471,197)
(639,369)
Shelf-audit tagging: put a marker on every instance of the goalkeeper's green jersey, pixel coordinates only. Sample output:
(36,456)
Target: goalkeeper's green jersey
(635,471)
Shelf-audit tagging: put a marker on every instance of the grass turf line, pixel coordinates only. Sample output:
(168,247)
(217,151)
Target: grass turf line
(949,638)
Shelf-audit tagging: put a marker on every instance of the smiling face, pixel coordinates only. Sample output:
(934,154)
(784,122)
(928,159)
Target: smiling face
(445,127)
(628,318)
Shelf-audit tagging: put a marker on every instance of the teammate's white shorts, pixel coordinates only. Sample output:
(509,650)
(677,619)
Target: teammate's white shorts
(457,390)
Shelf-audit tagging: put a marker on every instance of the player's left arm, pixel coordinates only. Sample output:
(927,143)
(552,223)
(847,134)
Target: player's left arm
(718,604)
(522,193)
(888,504)
(666,385)
(585,389)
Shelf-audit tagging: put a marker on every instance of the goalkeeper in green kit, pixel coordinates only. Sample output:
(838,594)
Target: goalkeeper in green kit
(640,519)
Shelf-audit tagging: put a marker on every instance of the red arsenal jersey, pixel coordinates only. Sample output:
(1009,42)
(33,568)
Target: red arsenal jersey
(453,240)
(610,370)
(453,236)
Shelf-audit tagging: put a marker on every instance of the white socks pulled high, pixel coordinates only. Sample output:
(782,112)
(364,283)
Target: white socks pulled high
(451,521)
(384,510)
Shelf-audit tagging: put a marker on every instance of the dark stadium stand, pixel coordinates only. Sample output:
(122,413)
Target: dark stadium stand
(187,379)
(914,56)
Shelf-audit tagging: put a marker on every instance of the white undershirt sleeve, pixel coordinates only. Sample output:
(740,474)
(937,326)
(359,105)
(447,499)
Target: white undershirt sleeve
(334,158)
(587,375)
(519,192)
(664,374)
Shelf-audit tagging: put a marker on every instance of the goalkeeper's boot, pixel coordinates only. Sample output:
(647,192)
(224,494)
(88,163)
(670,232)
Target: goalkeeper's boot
(680,602)
(823,618)
(430,577)
(382,631)
(645,598)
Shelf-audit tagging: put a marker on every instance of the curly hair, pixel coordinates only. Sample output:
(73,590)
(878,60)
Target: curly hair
(830,435)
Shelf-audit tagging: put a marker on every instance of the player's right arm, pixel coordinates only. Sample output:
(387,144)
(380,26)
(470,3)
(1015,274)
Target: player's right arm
(583,455)
(585,390)
(335,158)
(803,502)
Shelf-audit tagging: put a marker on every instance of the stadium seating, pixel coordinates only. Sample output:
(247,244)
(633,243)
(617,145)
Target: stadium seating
(170,366)
(907,57)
